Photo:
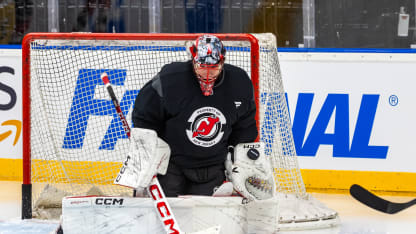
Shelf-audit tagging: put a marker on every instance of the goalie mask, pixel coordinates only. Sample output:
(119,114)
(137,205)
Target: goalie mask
(208,59)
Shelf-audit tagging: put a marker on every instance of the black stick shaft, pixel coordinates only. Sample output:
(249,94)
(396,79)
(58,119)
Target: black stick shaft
(120,114)
(116,105)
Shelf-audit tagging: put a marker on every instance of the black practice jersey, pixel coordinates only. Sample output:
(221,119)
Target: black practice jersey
(197,128)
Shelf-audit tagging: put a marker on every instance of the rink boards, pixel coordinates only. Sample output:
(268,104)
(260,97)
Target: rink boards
(352,115)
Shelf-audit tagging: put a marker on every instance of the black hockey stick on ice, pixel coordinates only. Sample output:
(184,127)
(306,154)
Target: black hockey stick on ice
(371,200)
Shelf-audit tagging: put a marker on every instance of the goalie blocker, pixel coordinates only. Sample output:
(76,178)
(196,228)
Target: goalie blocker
(148,155)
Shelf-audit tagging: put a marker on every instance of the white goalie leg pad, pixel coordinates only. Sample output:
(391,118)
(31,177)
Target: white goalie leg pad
(148,155)
(250,172)
(261,216)
(126,215)
(303,213)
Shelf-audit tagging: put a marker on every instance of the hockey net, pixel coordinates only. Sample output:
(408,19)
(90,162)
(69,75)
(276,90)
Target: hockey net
(74,143)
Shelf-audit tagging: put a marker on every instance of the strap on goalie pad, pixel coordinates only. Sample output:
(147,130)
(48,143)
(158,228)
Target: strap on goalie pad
(148,155)
(250,172)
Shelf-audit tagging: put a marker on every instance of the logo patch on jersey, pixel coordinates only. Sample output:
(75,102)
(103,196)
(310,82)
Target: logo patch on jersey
(206,126)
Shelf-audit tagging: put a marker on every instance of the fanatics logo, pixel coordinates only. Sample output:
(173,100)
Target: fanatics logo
(206,126)
(237,104)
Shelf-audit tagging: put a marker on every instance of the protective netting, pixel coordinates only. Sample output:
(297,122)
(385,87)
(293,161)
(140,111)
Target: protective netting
(77,140)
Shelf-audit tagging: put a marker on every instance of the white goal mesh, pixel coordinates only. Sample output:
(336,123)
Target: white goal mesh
(77,143)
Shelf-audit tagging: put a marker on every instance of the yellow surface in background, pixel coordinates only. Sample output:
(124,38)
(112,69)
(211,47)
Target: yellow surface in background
(11,169)
(326,181)
(338,181)
(93,172)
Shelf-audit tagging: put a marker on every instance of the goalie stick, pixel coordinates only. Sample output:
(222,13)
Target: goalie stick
(373,201)
(154,190)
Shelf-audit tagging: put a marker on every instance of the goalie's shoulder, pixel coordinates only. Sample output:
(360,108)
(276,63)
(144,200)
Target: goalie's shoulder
(237,74)
(175,68)
(238,81)
(172,74)
(230,67)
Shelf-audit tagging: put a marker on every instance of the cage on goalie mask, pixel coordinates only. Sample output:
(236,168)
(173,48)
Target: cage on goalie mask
(208,55)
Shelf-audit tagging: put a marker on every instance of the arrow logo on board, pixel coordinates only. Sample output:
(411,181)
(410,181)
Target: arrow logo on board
(12,122)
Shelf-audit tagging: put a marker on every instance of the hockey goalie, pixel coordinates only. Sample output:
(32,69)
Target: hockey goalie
(192,149)
(202,114)
(192,107)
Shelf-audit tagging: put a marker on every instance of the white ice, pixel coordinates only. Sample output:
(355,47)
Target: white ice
(355,217)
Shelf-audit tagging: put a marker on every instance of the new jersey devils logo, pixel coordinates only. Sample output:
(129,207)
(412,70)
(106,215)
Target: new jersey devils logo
(206,126)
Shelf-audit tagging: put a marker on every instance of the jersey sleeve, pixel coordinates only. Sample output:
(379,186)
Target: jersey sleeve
(148,111)
(244,130)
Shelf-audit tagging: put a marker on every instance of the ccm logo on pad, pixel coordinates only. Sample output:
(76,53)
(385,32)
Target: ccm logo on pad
(109,201)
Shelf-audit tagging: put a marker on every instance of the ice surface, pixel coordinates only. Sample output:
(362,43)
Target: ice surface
(18,226)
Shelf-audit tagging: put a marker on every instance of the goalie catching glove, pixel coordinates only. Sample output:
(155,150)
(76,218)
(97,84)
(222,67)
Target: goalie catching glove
(148,155)
(249,171)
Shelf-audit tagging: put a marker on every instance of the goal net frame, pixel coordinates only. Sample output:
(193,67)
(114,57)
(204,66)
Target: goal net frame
(257,45)
(26,72)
